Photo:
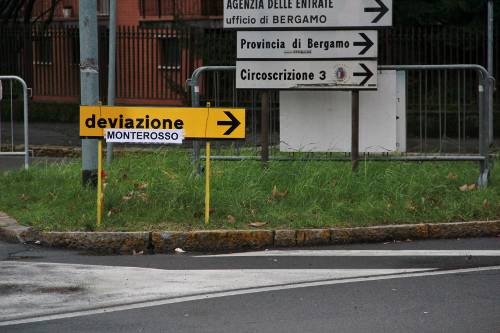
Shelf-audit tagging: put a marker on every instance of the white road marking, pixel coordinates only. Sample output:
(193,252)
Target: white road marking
(364,253)
(35,289)
(159,302)
(45,291)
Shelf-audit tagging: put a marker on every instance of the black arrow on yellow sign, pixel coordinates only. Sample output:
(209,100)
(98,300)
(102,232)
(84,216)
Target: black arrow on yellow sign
(234,123)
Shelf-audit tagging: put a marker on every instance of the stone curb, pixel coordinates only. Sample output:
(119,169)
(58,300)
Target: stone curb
(212,241)
(98,242)
(12,232)
(237,240)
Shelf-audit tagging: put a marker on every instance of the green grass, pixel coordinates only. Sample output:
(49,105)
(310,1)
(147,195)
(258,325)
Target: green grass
(320,194)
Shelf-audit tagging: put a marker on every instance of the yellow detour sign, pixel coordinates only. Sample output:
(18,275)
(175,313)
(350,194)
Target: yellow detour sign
(197,123)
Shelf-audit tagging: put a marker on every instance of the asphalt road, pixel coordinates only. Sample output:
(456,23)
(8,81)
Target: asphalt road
(430,286)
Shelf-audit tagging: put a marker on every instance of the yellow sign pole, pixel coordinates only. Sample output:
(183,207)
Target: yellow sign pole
(100,195)
(207,183)
(207,178)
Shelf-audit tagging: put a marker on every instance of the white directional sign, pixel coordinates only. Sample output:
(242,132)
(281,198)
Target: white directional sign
(335,75)
(261,14)
(307,44)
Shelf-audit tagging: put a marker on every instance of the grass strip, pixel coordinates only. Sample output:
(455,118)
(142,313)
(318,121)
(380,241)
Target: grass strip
(158,191)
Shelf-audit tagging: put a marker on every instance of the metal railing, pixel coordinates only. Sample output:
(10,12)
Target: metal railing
(12,152)
(153,62)
(434,113)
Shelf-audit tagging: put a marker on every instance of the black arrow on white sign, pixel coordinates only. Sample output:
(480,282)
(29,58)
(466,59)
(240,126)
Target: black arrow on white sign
(234,123)
(382,9)
(368,43)
(367,74)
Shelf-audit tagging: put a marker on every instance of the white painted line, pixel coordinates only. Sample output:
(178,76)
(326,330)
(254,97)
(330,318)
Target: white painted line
(364,253)
(191,298)
(32,288)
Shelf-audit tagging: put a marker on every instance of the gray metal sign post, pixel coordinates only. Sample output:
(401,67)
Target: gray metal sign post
(111,69)
(355,130)
(89,76)
(491,46)
(1,98)
(264,133)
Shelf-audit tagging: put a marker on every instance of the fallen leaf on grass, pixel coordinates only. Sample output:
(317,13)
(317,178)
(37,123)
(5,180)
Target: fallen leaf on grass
(257,224)
(452,176)
(143,196)
(231,219)
(467,187)
(24,197)
(141,186)
(170,175)
(486,204)
(52,195)
(411,206)
(279,195)
(112,211)
(128,197)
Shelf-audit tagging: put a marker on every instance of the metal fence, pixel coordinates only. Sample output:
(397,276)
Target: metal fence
(153,63)
(9,94)
(447,116)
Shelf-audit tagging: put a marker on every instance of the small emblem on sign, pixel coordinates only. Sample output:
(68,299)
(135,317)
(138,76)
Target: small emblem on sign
(341,73)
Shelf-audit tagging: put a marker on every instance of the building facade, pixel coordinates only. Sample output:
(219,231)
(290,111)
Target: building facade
(141,12)
(159,44)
